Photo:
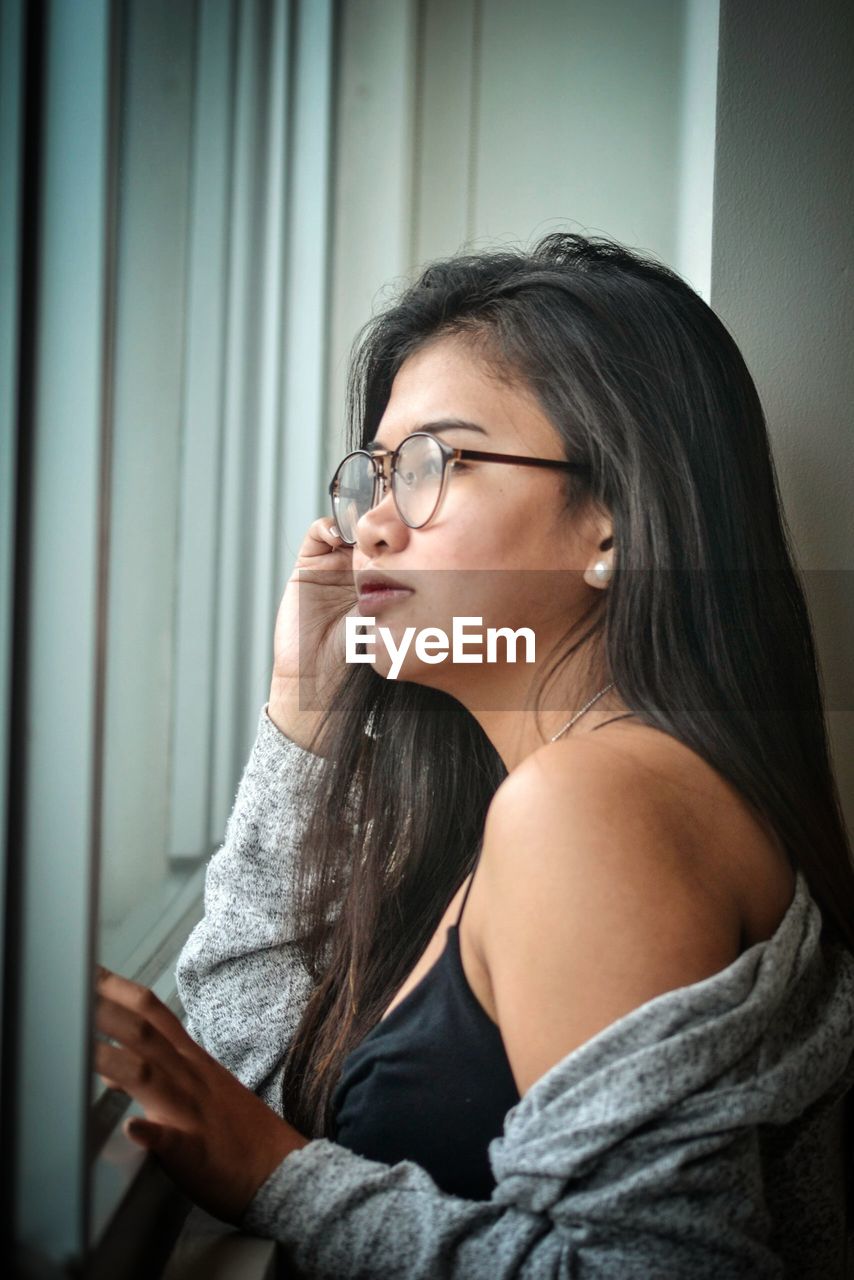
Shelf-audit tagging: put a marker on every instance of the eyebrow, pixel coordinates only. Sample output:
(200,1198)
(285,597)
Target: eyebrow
(441,424)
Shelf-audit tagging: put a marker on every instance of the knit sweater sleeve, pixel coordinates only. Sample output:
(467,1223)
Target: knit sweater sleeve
(340,1216)
(239,976)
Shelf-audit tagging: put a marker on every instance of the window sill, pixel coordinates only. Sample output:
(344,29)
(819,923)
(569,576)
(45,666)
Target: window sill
(208,1249)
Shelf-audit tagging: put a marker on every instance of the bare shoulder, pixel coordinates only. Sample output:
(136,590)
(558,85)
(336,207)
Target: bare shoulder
(600,888)
(651,797)
(633,793)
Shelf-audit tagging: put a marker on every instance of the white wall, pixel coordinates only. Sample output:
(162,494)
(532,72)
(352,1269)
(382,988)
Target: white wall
(480,121)
(783,249)
(698,102)
(477,122)
(574,121)
(372,177)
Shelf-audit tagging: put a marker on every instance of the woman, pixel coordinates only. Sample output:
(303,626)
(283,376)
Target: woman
(541,968)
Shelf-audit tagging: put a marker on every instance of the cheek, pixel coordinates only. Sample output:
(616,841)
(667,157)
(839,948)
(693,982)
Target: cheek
(485,533)
(500,525)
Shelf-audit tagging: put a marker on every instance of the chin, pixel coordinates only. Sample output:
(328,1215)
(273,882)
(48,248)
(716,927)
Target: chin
(424,674)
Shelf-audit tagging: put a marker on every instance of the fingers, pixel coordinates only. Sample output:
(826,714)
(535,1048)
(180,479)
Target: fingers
(137,1034)
(132,1029)
(143,1062)
(145,1133)
(163,1139)
(145,1080)
(147,1083)
(322,535)
(117,994)
(331,533)
(325,554)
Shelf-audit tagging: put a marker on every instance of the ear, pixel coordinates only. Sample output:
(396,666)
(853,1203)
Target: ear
(600,566)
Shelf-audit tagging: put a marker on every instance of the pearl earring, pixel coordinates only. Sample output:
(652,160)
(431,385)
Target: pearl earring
(602,572)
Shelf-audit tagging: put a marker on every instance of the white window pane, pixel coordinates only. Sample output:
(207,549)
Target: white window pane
(155,141)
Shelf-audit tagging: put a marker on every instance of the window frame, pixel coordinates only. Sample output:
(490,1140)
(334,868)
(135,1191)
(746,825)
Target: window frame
(82,1191)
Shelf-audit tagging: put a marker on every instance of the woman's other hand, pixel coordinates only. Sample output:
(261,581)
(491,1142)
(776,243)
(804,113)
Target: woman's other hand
(216,1139)
(308,644)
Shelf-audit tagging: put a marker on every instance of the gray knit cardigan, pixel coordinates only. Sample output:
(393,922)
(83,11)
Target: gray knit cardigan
(697,1136)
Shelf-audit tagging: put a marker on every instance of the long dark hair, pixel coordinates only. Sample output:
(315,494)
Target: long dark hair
(704,626)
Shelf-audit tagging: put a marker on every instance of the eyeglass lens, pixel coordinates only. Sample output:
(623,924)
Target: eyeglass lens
(416,484)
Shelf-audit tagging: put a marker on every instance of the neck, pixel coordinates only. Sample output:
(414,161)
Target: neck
(505,707)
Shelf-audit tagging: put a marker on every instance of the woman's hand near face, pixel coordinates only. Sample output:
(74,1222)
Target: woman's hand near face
(308,645)
(216,1139)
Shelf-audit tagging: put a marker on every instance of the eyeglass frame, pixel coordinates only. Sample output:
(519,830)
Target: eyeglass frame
(384,470)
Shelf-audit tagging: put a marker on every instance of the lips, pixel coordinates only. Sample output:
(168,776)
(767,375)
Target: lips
(376,589)
(372,582)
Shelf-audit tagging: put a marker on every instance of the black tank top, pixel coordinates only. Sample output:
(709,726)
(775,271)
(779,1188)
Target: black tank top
(431,1082)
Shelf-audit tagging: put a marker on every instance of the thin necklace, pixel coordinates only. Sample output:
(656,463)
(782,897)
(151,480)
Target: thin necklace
(580,713)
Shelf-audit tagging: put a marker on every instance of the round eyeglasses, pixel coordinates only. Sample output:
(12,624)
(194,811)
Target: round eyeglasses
(418,471)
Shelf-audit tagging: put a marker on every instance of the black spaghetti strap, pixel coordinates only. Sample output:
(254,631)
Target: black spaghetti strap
(466,894)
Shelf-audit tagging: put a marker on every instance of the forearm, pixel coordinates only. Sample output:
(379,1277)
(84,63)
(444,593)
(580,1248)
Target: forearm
(239,975)
(340,1216)
(642,1212)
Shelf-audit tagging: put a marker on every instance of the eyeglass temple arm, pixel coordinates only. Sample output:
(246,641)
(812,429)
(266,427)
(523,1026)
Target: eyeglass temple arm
(484,456)
(518,460)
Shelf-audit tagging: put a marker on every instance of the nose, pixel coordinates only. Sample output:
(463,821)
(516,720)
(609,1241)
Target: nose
(381,526)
